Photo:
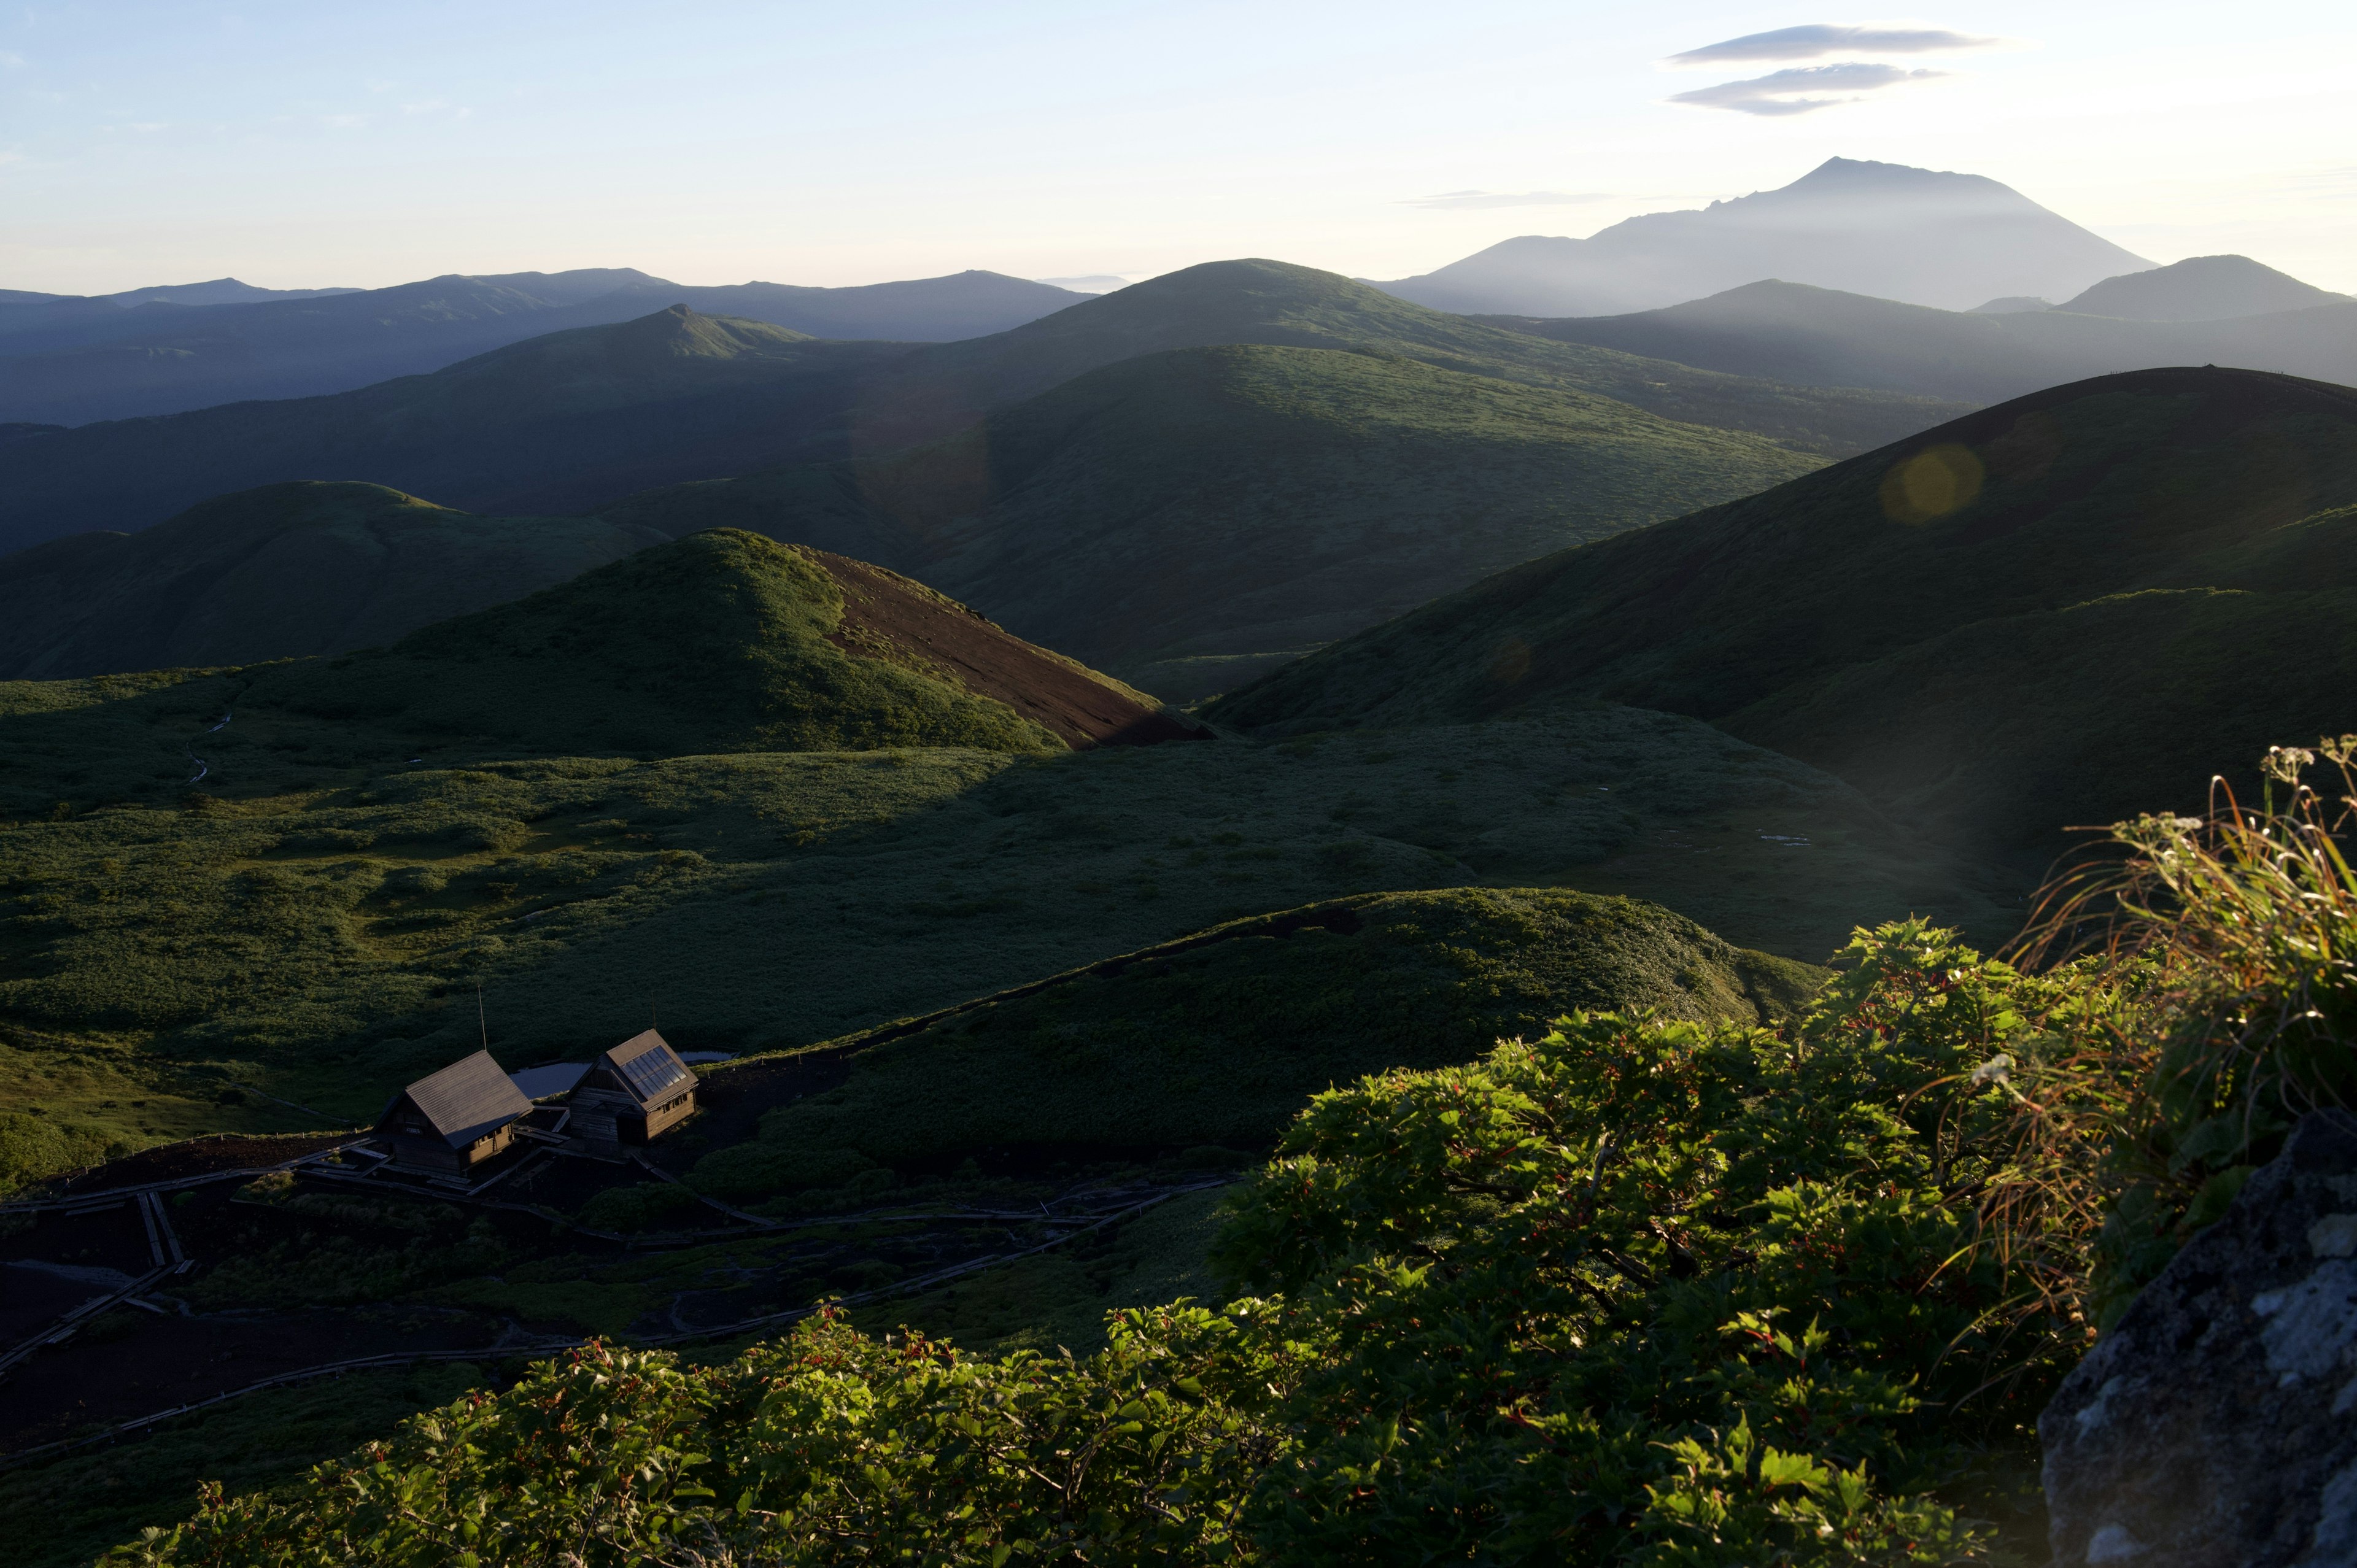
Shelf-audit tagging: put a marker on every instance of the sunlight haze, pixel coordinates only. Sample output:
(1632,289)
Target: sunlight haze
(296,145)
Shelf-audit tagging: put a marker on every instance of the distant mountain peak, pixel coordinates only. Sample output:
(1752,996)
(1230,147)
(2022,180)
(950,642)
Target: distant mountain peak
(1891,231)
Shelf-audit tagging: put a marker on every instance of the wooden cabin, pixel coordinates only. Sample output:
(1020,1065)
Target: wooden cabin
(633,1093)
(448,1123)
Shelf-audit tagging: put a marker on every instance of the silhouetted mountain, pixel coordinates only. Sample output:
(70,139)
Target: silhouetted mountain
(572,420)
(1820,337)
(2061,610)
(2201,288)
(80,361)
(218,291)
(1929,238)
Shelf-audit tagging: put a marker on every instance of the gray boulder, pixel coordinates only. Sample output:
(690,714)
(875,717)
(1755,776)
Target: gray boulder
(2216,1426)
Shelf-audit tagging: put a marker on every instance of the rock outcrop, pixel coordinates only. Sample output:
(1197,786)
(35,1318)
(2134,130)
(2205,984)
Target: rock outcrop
(2216,1426)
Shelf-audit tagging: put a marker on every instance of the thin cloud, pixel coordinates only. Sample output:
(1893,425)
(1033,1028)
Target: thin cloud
(1794,92)
(1819,39)
(1462,199)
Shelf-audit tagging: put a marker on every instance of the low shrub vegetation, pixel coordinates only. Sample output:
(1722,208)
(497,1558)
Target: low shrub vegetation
(1643,1290)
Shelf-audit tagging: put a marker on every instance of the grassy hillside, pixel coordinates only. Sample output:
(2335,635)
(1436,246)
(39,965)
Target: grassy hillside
(1184,515)
(723,642)
(301,568)
(1821,337)
(1881,616)
(1283,305)
(1219,1039)
(311,919)
(579,418)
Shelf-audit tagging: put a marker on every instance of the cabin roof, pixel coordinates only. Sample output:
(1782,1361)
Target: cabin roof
(646,1067)
(465,1100)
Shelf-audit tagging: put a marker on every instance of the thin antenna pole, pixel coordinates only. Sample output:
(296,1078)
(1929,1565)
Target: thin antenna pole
(480,1022)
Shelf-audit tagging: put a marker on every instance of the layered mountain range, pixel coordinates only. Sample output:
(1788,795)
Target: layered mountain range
(1922,236)
(70,361)
(2209,310)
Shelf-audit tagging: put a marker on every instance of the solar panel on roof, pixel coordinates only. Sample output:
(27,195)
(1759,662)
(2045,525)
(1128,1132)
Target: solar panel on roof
(652,1073)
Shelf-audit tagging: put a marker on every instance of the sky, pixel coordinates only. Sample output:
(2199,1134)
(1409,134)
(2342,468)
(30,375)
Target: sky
(360,144)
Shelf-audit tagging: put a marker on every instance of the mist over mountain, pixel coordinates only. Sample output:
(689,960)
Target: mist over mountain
(2201,288)
(1823,337)
(1922,236)
(75,362)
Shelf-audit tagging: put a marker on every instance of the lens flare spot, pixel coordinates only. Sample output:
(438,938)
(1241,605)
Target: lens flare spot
(1930,483)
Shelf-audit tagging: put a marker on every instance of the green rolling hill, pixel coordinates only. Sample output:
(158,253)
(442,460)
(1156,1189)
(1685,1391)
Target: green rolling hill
(2056,611)
(723,642)
(1188,516)
(572,421)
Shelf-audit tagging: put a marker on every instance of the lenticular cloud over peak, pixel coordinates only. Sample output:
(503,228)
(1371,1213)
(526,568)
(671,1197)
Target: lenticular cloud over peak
(1817,39)
(1800,89)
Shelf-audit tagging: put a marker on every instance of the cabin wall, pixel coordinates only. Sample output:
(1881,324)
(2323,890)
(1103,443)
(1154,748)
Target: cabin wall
(424,1154)
(662,1119)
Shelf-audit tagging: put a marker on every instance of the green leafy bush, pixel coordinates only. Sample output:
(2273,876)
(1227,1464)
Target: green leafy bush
(33,1148)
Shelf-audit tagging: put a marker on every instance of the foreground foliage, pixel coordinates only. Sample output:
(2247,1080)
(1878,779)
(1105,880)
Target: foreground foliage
(1645,1290)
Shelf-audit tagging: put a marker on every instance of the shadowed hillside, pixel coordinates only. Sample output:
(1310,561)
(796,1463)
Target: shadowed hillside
(294,569)
(578,419)
(1183,516)
(1941,621)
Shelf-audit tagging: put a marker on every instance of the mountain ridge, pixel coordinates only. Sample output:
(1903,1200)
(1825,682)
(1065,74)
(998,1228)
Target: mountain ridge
(492,434)
(1869,618)
(89,364)
(1826,337)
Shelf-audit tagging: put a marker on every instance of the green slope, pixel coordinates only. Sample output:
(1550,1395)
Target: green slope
(312,920)
(1280,304)
(719,642)
(1219,1039)
(1895,616)
(294,569)
(1185,515)
(568,421)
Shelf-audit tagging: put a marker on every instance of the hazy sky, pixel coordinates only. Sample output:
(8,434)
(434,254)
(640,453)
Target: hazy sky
(364,143)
